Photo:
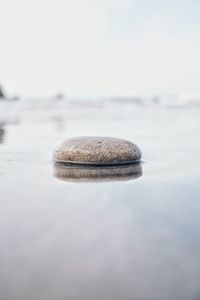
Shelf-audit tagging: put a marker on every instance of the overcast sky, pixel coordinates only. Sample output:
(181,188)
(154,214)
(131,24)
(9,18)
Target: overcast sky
(99,47)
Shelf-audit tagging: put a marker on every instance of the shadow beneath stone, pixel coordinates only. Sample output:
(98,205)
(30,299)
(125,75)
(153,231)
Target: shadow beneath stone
(74,173)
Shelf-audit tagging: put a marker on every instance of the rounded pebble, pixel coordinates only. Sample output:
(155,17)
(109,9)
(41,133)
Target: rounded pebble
(98,151)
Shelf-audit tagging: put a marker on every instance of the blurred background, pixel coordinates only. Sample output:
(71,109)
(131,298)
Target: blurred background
(121,59)
(99,47)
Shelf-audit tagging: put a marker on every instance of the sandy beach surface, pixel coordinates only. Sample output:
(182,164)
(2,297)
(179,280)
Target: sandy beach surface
(135,239)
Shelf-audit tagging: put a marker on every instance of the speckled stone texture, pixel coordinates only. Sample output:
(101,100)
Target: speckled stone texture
(93,173)
(97,150)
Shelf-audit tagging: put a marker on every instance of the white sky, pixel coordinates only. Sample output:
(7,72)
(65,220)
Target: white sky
(99,47)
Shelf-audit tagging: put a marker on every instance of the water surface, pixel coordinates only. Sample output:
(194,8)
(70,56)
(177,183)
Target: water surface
(118,239)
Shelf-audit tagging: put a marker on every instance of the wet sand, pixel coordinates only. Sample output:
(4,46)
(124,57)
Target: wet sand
(118,239)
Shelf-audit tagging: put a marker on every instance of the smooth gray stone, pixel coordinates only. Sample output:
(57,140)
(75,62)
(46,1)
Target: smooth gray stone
(75,173)
(97,150)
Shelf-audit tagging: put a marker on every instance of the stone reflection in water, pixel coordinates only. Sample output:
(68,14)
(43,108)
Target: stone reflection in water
(88,173)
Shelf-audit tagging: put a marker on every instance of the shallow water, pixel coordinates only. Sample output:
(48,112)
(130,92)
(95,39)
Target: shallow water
(118,239)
